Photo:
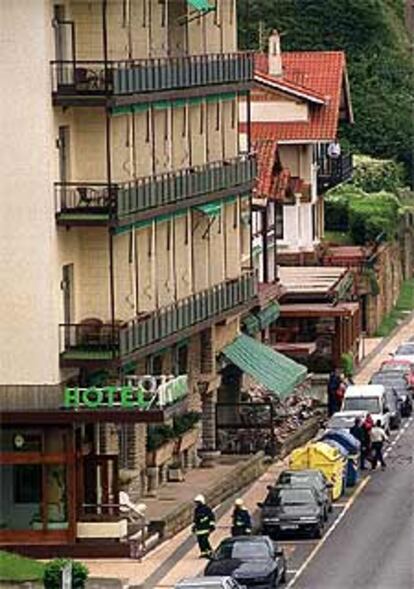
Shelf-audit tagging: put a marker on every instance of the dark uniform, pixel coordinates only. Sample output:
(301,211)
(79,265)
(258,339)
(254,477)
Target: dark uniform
(204,524)
(242,525)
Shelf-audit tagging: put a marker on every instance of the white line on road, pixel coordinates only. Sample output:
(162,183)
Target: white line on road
(329,532)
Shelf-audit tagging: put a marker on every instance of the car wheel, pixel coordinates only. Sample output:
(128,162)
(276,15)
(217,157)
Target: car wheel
(318,531)
(325,514)
(283,576)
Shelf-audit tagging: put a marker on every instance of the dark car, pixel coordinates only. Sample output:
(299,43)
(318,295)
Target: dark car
(292,509)
(395,383)
(310,478)
(253,561)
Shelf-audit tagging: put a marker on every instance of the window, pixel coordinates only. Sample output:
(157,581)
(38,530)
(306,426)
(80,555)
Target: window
(185,114)
(314,222)
(233,114)
(155,365)
(27,483)
(201,118)
(181,359)
(218,110)
(148,127)
(279,229)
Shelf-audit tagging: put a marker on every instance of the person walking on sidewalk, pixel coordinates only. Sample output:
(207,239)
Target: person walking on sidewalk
(242,523)
(204,524)
(378,437)
(333,384)
(360,433)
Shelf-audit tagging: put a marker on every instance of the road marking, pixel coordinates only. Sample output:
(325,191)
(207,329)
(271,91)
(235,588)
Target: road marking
(292,571)
(339,504)
(329,532)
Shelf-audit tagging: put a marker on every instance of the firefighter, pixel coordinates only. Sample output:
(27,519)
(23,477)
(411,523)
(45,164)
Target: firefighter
(242,525)
(204,524)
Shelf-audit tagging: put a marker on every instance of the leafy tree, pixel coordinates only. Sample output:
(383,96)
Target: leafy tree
(374,37)
(52,578)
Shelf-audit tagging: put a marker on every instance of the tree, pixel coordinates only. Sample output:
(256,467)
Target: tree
(374,37)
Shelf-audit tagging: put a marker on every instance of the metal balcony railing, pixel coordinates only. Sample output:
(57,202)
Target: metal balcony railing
(332,172)
(153,192)
(94,339)
(120,78)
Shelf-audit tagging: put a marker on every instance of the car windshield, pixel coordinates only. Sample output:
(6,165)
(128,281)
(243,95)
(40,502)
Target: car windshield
(243,550)
(395,367)
(294,497)
(300,480)
(405,350)
(369,404)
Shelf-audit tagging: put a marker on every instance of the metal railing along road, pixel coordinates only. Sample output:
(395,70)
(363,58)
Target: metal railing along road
(161,323)
(132,76)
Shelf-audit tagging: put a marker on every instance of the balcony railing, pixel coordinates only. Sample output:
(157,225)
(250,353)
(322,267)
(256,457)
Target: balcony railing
(94,340)
(133,76)
(83,200)
(332,172)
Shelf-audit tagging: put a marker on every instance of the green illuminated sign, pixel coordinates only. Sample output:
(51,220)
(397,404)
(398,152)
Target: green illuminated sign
(145,394)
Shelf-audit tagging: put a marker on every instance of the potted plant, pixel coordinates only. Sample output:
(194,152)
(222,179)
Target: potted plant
(186,430)
(160,444)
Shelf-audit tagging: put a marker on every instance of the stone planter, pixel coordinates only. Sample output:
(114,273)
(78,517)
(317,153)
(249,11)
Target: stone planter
(161,455)
(188,439)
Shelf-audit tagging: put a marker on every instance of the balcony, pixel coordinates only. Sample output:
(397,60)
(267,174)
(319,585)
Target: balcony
(332,172)
(96,342)
(148,80)
(145,198)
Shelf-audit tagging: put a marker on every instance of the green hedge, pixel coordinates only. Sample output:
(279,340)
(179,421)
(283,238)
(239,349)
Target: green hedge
(372,217)
(53,574)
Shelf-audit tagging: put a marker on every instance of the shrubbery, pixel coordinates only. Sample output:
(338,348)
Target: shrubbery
(160,434)
(375,175)
(52,578)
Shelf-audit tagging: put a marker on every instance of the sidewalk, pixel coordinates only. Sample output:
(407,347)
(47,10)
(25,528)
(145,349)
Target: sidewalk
(178,557)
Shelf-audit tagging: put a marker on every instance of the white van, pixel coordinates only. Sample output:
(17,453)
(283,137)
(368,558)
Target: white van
(368,398)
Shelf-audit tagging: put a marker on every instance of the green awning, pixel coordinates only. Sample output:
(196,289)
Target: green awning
(251,324)
(268,315)
(201,5)
(212,209)
(273,370)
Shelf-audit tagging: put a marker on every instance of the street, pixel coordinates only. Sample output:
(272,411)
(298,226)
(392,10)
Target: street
(370,541)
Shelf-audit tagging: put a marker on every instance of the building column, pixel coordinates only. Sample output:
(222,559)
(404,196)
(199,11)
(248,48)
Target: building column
(209,420)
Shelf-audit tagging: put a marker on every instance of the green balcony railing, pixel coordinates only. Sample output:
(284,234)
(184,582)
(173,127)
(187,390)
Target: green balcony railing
(120,78)
(76,201)
(95,340)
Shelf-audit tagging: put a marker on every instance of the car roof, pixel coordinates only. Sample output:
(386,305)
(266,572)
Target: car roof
(283,487)
(394,362)
(364,390)
(257,539)
(203,581)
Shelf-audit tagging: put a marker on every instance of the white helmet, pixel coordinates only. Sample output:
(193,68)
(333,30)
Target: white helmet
(199,499)
(239,502)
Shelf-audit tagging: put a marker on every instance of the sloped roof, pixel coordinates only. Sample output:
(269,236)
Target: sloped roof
(313,76)
(270,183)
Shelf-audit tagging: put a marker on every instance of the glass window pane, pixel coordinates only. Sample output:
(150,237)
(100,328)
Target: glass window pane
(57,497)
(20,496)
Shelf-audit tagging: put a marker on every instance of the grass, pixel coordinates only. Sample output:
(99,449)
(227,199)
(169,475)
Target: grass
(404,305)
(17,568)
(338,238)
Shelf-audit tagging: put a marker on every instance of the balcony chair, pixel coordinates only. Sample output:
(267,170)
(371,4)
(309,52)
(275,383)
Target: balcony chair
(90,332)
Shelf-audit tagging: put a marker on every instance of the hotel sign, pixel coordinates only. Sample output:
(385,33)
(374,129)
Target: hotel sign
(145,393)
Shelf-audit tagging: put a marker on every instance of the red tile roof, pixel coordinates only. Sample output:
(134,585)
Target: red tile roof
(319,74)
(272,179)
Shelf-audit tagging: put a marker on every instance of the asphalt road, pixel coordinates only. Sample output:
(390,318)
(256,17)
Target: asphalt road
(370,542)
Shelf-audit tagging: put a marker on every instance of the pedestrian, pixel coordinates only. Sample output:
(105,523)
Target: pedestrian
(242,523)
(361,434)
(339,395)
(203,525)
(378,437)
(368,424)
(333,384)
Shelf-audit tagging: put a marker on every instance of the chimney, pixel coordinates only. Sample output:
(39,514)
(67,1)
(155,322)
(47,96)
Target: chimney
(275,54)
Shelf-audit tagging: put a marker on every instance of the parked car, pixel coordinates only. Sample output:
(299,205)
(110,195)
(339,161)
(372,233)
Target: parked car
(292,509)
(309,478)
(405,352)
(396,383)
(253,561)
(208,583)
(344,419)
(404,367)
(367,398)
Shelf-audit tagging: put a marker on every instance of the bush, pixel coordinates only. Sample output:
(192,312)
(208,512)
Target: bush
(158,435)
(376,175)
(52,578)
(373,216)
(347,363)
(183,423)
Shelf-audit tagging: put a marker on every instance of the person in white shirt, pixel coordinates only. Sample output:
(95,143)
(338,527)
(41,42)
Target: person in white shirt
(378,437)
(334,149)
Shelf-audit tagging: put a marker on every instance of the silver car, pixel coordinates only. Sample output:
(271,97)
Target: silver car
(209,583)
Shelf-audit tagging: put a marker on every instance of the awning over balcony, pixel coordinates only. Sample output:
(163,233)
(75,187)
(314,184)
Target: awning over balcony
(211,209)
(201,5)
(278,373)
(254,322)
